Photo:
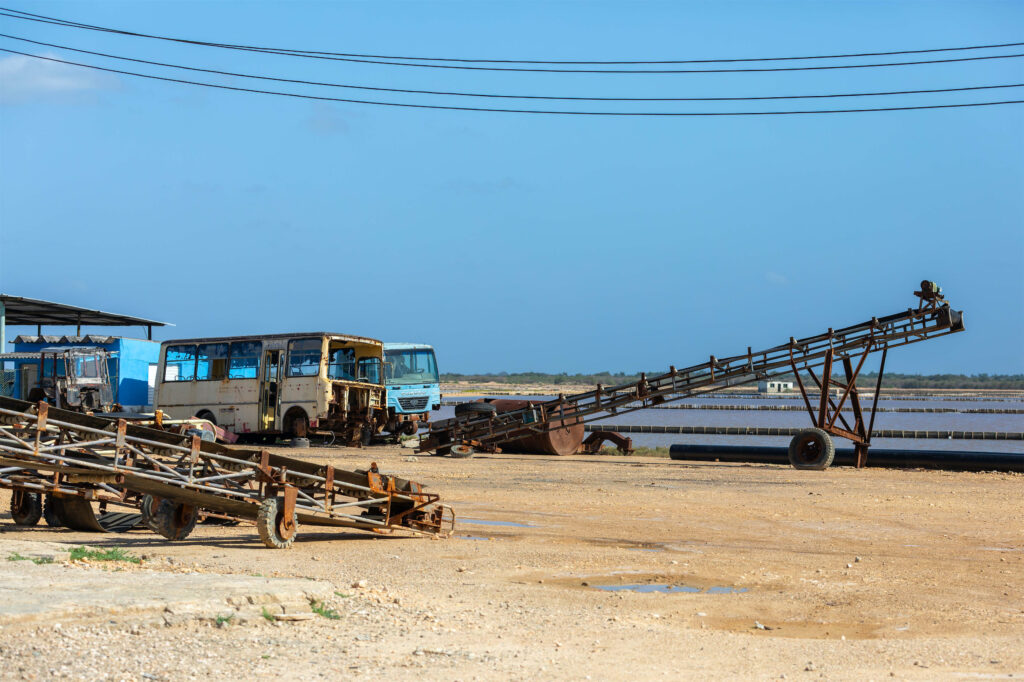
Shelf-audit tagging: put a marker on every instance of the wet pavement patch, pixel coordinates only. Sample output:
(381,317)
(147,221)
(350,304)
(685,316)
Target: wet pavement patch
(666,588)
(483,522)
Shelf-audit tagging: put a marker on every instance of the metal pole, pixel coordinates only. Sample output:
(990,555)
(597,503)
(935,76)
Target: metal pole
(3,327)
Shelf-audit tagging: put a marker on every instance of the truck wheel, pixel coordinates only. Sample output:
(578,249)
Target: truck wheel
(812,449)
(26,508)
(474,409)
(208,416)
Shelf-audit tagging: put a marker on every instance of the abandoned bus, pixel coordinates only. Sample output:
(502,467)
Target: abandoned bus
(261,387)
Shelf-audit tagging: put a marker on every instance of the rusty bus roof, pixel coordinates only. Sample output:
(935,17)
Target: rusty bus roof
(294,335)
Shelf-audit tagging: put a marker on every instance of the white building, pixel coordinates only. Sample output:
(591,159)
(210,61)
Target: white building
(773,386)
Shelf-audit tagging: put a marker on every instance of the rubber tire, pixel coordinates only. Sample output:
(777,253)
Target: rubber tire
(366,436)
(462,452)
(474,409)
(164,520)
(267,521)
(31,511)
(820,441)
(50,514)
(146,508)
(207,415)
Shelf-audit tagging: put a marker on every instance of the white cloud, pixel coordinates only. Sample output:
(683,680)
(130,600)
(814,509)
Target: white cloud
(24,79)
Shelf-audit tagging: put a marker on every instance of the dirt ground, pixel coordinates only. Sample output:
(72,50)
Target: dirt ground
(851,574)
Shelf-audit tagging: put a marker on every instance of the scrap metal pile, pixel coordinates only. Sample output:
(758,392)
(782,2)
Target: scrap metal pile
(76,468)
(484,427)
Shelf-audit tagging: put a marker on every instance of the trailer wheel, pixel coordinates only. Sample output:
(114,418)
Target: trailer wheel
(462,451)
(50,514)
(147,509)
(474,409)
(174,520)
(26,509)
(270,523)
(811,449)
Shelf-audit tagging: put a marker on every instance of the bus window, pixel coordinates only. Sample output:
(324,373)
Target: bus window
(212,361)
(304,357)
(180,363)
(369,370)
(342,364)
(245,360)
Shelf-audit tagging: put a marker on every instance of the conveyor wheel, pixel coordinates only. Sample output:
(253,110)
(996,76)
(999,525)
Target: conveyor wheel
(26,508)
(811,449)
(50,514)
(147,508)
(271,524)
(174,520)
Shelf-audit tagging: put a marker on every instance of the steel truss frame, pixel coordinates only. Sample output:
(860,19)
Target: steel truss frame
(876,335)
(71,455)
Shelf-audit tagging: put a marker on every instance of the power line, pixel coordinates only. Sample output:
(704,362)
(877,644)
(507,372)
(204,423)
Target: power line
(388,61)
(504,96)
(508,111)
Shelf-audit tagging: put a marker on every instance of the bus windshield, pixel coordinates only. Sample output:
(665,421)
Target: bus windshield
(412,366)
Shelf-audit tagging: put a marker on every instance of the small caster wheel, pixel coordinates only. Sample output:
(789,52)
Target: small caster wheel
(275,530)
(462,451)
(174,520)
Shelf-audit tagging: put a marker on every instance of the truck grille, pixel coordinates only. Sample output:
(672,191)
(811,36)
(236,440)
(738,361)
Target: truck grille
(413,403)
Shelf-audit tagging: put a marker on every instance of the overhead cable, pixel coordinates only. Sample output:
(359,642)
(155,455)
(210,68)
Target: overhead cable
(397,61)
(510,111)
(506,96)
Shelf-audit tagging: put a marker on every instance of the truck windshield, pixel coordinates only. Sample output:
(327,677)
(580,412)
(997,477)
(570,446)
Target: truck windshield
(413,366)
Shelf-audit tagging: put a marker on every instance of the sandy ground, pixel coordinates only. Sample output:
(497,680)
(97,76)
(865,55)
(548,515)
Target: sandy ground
(865,574)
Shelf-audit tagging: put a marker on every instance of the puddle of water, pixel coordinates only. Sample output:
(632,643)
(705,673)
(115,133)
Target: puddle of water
(470,537)
(665,588)
(481,522)
(644,549)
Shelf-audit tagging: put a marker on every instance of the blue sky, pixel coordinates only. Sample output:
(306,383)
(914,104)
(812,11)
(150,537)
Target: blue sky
(516,242)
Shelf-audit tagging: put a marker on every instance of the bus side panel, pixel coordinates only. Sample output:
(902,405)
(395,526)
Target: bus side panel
(305,392)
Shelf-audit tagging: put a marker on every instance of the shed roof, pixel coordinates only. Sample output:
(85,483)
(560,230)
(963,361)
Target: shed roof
(31,311)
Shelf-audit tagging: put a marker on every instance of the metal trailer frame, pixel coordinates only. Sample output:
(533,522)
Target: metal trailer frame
(78,458)
(932,318)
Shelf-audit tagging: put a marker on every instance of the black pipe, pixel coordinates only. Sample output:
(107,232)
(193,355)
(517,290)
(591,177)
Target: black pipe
(948,460)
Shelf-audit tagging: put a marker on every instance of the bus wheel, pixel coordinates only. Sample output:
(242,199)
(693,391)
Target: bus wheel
(274,532)
(26,508)
(174,520)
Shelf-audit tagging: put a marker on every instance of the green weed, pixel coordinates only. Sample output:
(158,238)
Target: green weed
(36,560)
(112,554)
(320,608)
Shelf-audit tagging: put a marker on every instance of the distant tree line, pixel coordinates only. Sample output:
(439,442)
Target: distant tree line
(866,380)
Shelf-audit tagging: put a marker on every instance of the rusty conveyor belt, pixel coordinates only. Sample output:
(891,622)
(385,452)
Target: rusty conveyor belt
(81,458)
(931,319)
